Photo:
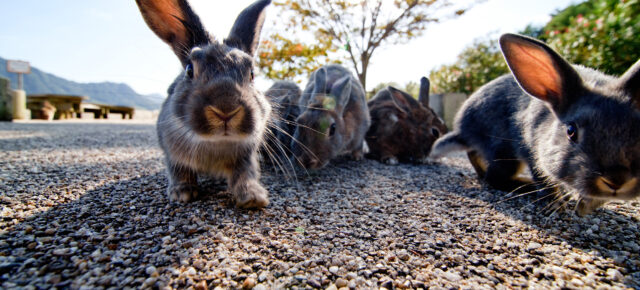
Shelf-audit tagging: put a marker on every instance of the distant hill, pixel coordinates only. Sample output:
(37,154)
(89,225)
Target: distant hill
(39,82)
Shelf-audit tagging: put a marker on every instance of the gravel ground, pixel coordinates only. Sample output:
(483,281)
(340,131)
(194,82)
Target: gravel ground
(82,205)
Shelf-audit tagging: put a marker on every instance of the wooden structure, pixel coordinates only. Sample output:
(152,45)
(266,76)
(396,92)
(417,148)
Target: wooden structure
(102,111)
(69,107)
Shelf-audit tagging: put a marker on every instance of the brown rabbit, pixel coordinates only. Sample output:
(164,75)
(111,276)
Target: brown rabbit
(402,129)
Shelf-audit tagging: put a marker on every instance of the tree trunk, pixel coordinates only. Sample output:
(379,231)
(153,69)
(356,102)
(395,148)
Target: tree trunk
(364,59)
(363,78)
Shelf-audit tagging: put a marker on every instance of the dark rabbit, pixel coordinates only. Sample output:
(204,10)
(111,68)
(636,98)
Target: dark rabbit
(284,97)
(402,128)
(577,129)
(334,120)
(214,119)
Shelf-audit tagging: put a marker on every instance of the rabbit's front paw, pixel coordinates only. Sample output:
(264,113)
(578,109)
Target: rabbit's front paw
(391,161)
(357,155)
(588,205)
(182,192)
(251,195)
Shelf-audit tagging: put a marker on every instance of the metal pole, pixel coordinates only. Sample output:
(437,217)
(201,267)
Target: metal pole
(19,81)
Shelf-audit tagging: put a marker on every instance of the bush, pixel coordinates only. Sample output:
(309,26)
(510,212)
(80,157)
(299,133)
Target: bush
(476,65)
(606,38)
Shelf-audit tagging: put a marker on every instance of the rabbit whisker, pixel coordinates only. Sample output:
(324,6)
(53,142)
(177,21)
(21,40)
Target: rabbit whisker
(267,146)
(510,196)
(304,147)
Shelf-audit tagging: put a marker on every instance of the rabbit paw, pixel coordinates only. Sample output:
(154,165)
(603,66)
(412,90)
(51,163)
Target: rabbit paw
(391,160)
(251,195)
(357,155)
(423,160)
(182,192)
(588,205)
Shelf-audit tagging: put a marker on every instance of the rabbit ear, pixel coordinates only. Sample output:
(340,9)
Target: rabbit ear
(320,81)
(540,71)
(399,99)
(341,89)
(423,97)
(245,32)
(176,24)
(630,82)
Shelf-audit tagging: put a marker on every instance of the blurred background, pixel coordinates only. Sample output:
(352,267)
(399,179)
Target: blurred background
(104,52)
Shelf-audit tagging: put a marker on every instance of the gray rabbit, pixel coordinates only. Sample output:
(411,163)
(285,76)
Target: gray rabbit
(402,128)
(334,120)
(576,129)
(214,119)
(284,97)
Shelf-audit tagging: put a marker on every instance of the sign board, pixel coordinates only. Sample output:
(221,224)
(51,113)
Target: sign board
(18,66)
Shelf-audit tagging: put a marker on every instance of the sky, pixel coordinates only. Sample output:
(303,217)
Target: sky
(107,40)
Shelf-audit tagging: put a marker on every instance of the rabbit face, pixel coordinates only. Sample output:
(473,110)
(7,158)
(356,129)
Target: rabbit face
(216,97)
(322,129)
(334,121)
(591,157)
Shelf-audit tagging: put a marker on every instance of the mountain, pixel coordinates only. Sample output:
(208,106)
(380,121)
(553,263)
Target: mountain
(109,93)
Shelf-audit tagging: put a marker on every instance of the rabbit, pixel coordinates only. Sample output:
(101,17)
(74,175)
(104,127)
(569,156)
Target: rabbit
(577,130)
(334,120)
(213,120)
(402,128)
(284,97)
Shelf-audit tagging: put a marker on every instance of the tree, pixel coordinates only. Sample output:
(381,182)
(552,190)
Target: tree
(412,88)
(360,28)
(476,65)
(601,34)
(281,58)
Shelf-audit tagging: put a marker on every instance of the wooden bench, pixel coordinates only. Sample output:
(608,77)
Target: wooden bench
(102,111)
(69,107)
(66,106)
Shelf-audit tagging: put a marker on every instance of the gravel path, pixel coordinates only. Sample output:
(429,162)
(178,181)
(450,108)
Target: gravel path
(83,205)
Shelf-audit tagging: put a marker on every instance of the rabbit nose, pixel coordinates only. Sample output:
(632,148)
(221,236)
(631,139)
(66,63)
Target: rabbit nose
(219,117)
(618,179)
(611,184)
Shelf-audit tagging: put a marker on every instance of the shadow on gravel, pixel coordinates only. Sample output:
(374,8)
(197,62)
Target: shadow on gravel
(43,136)
(610,233)
(125,232)
(111,232)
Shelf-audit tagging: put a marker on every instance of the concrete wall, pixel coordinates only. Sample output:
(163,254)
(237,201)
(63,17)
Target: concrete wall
(447,105)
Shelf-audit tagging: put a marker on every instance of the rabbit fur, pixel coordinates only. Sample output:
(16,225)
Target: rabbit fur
(334,120)
(284,97)
(402,128)
(576,129)
(213,120)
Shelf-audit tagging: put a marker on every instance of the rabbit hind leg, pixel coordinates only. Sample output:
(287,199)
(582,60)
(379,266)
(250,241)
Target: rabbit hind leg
(504,174)
(478,163)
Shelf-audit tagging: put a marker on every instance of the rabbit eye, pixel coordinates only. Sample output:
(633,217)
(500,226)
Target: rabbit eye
(435,132)
(251,75)
(572,132)
(332,129)
(189,70)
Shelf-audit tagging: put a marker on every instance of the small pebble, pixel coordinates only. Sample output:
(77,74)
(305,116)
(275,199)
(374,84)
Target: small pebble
(334,270)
